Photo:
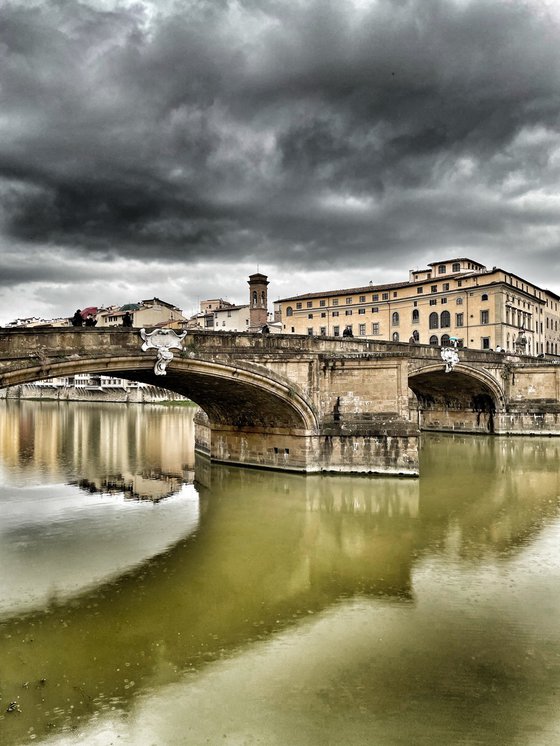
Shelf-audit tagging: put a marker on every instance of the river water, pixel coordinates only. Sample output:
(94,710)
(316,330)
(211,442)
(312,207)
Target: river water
(151,599)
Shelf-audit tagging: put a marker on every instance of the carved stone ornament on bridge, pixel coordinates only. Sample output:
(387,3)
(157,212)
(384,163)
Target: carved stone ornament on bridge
(450,357)
(162,340)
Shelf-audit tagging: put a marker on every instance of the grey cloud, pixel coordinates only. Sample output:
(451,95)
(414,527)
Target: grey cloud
(237,131)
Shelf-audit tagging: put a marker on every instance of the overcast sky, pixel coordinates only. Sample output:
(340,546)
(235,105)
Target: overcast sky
(160,148)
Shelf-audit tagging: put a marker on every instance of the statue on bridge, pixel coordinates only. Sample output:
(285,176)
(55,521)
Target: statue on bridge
(450,357)
(162,340)
(521,342)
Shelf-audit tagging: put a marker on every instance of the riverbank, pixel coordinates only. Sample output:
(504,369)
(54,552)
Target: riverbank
(121,395)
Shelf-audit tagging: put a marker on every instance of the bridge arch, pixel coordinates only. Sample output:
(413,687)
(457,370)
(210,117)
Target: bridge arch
(467,398)
(463,378)
(237,396)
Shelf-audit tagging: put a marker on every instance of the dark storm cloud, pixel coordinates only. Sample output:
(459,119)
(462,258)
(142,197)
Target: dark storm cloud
(287,131)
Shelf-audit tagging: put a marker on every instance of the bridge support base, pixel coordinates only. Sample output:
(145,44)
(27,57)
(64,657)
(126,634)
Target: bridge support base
(350,449)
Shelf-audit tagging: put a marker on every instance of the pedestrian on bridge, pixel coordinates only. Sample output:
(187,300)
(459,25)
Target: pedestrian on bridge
(77,319)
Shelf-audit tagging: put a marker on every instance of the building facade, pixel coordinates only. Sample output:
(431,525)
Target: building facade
(232,319)
(220,315)
(145,313)
(453,300)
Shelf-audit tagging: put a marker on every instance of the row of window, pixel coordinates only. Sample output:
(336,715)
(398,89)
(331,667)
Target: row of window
(433,339)
(337,332)
(455,267)
(435,321)
(445,339)
(375,298)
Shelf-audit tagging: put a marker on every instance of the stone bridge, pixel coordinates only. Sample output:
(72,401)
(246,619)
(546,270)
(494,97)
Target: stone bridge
(307,403)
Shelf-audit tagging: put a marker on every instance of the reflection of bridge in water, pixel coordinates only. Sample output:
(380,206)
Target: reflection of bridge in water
(269,550)
(309,403)
(139,486)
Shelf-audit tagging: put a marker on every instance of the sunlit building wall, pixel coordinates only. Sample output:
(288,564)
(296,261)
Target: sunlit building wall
(481,308)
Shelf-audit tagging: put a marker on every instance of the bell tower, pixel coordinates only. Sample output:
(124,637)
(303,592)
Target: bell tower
(258,301)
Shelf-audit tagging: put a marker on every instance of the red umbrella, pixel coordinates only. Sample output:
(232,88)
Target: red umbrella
(90,311)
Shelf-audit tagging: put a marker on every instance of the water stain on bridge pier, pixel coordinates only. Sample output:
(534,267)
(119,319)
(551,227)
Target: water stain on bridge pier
(151,599)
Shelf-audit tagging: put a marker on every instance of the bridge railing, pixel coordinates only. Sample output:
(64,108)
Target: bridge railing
(22,342)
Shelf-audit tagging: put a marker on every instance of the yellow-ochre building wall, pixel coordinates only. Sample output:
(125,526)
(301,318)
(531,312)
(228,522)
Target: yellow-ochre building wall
(483,309)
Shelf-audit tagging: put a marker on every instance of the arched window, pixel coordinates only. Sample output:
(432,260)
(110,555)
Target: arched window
(395,336)
(289,311)
(433,340)
(445,320)
(459,301)
(255,296)
(484,296)
(395,318)
(434,321)
(416,336)
(415,316)
(445,340)
(456,267)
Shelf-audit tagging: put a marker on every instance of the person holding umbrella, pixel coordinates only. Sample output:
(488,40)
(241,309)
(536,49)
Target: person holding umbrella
(77,319)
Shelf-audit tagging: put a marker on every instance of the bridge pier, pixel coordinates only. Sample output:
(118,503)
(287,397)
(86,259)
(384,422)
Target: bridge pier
(480,421)
(384,445)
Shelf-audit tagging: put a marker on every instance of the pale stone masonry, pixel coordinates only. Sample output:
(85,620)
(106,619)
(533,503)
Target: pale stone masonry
(308,403)
(485,309)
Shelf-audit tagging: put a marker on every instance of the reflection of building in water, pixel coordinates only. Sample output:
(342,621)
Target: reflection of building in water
(90,387)
(154,486)
(513,486)
(101,440)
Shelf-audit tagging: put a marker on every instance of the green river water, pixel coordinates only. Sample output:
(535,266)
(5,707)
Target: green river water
(150,598)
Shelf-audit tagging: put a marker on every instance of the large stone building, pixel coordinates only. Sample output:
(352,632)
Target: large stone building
(457,298)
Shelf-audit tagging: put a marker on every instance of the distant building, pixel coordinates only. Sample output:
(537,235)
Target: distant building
(145,313)
(232,319)
(455,298)
(205,318)
(214,304)
(151,313)
(37,322)
(220,315)
(90,387)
